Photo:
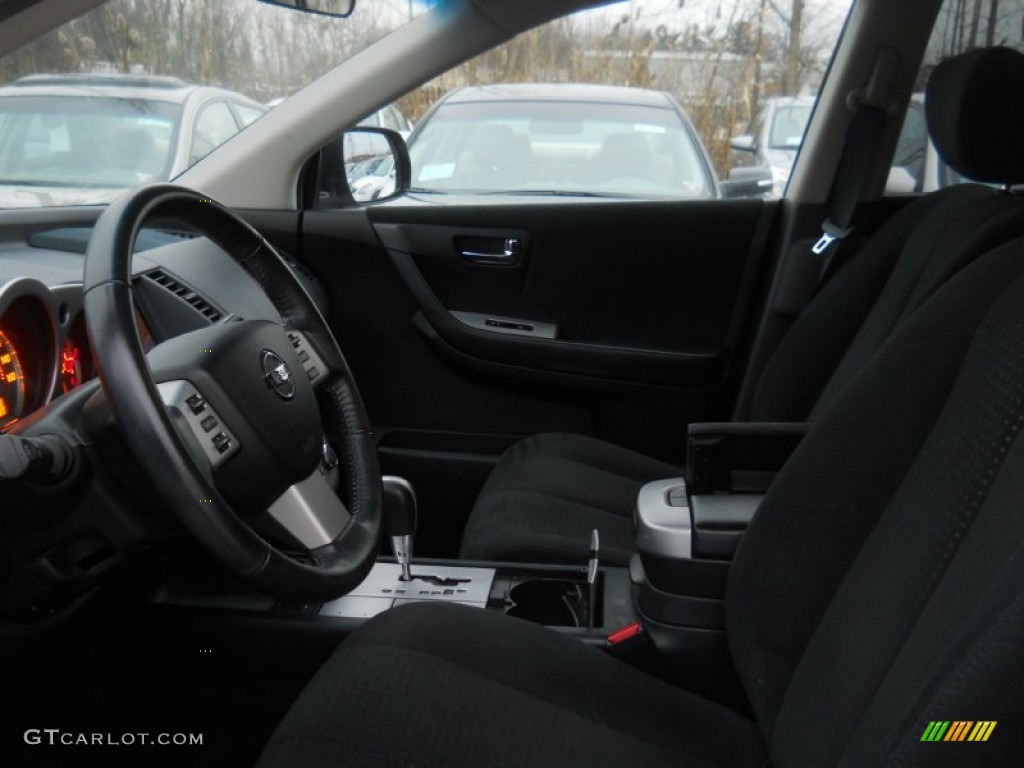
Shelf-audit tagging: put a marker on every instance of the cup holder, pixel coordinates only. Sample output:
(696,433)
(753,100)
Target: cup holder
(552,602)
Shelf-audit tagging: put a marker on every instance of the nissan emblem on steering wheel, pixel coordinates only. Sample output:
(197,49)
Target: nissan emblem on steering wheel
(277,374)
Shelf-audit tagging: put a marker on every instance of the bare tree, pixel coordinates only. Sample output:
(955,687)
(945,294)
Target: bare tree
(793,22)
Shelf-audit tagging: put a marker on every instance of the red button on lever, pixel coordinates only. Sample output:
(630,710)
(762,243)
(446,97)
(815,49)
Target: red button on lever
(628,631)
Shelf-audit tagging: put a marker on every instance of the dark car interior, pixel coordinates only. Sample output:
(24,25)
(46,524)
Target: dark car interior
(468,484)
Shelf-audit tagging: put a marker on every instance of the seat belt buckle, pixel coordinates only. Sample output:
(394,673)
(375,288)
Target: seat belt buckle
(829,234)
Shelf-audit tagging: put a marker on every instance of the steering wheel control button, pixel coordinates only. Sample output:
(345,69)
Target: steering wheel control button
(201,420)
(307,355)
(277,374)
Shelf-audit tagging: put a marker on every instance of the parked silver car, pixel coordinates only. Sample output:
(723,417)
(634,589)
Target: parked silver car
(776,132)
(774,137)
(75,139)
(564,139)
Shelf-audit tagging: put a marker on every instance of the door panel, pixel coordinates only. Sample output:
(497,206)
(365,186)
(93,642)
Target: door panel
(644,296)
(647,300)
(635,292)
(607,272)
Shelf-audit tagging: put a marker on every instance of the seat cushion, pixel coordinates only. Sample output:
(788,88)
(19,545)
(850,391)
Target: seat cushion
(549,491)
(447,685)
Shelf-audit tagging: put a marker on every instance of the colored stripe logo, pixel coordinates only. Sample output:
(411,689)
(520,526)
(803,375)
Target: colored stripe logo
(958,730)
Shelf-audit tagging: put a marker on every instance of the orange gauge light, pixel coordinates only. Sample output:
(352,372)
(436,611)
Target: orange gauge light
(12,382)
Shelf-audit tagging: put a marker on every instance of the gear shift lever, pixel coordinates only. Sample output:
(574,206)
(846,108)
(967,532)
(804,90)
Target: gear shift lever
(399,506)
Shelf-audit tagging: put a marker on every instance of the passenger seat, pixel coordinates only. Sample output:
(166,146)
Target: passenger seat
(550,490)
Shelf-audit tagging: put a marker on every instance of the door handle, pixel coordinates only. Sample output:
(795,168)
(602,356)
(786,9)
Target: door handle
(507,252)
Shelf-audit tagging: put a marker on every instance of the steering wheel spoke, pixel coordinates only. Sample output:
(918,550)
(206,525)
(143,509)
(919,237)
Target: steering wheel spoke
(307,516)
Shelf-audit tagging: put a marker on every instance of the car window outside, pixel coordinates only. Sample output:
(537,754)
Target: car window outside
(254,51)
(719,60)
(247,115)
(214,126)
(79,142)
(789,125)
(550,146)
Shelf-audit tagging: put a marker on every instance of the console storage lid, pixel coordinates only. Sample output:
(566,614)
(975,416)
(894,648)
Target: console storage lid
(739,457)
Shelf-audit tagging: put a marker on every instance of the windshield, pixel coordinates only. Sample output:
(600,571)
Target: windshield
(85,141)
(789,126)
(83,128)
(558,147)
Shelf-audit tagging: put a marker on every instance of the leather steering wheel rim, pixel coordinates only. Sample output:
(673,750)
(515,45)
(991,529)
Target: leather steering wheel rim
(321,573)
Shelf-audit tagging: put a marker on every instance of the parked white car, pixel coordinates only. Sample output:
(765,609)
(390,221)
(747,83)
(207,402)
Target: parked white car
(77,139)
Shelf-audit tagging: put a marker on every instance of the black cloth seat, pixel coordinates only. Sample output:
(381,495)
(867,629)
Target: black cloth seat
(551,490)
(475,696)
(902,264)
(880,587)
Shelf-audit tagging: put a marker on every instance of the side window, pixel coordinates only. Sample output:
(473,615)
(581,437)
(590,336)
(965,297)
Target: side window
(392,118)
(387,118)
(371,121)
(248,115)
(912,150)
(214,125)
(632,100)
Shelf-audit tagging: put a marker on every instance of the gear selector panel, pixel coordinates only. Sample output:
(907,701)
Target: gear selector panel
(384,588)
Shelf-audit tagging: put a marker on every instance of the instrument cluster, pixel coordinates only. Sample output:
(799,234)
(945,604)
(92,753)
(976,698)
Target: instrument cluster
(44,351)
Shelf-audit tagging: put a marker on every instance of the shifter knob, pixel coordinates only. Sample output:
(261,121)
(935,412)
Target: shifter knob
(399,507)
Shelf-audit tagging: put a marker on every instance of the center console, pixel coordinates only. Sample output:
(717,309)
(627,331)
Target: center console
(586,599)
(687,531)
(666,611)
(556,596)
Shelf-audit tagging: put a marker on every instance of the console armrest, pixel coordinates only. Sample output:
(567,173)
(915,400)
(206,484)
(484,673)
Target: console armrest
(738,457)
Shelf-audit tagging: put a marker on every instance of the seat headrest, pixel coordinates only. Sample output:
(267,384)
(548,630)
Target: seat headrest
(976,116)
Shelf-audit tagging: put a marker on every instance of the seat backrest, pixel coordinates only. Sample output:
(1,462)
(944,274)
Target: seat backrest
(134,149)
(624,155)
(914,253)
(496,157)
(880,586)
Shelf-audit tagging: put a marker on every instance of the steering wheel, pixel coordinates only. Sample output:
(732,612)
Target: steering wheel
(234,423)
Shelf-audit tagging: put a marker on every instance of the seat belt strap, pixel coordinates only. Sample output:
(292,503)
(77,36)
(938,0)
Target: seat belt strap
(852,174)
(856,159)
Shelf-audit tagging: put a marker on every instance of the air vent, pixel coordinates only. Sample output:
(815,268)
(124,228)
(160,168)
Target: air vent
(201,305)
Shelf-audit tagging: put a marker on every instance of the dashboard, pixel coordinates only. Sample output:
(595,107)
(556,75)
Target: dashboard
(180,284)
